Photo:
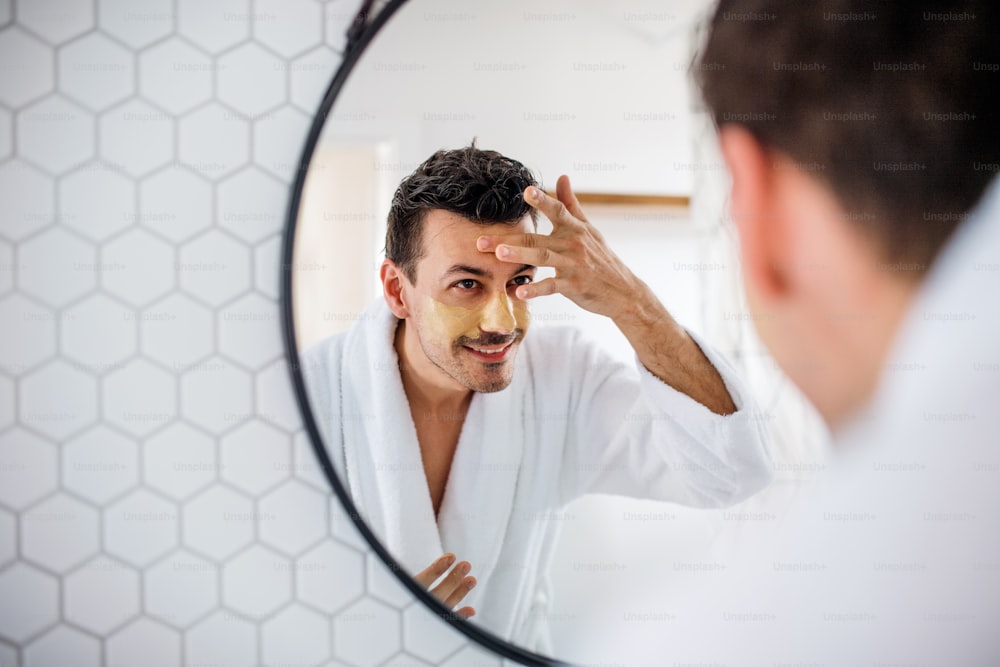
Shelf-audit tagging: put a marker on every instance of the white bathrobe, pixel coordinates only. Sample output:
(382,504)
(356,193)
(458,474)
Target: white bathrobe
(896,559)
(573,421)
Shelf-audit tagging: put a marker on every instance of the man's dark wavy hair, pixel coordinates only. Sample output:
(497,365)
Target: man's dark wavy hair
(483,186)
(894,104)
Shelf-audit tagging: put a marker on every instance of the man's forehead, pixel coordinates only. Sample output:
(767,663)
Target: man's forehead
(446,231)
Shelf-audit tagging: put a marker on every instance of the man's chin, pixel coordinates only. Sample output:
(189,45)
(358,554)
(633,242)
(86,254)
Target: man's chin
(490,378)
(493,386)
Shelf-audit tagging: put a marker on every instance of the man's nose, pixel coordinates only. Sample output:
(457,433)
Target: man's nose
(498,315)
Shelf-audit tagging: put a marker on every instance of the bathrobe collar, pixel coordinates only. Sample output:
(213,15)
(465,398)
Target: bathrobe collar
(385,470)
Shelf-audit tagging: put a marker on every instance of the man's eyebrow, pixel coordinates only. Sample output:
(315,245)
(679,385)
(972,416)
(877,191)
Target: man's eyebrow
(476,271)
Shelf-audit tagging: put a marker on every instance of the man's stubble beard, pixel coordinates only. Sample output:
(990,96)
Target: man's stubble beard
(500,374)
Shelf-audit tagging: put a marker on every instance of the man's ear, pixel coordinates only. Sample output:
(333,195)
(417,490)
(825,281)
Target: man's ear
(755,211)
(393,282)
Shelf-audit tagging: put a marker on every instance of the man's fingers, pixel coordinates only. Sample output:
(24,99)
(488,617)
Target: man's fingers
(447,587)
(541,288)
(533,256)
(435,570)
(490,243)
(466,612)
(553,209)
(463,588)
(564,192)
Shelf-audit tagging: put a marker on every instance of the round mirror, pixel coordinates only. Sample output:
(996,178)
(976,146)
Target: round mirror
(532,457)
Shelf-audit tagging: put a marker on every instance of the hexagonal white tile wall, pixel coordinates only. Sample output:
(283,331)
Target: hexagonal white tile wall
(32,341)
(138,23)
(366,633)
(309,79)
(267,264)
(57,644)
(100,464)
(271,152)
(56,20)
(27,195)
(175,76)
(176,331)
(295,636)
(145,642)
(405,660)
(57,267)
(179,460)
(7,402)
(28,72)
(306,466)
(329,576)
(8,537)
(216,395)
(29,469)
(140,527)
(275,400)
(96,72)
(288,27)
(138,267)
(219,522)
(175,218)
(292,517)
(214,140)
(222,639)
(338,19)
(271,575)
(214,268)
(383,584)
(98,333)
(139,412)
(101,594)
(249,331)
(343,529)
(181,588)
(214,26)
(55,134)
(136,137)
(29,601)
(426,637)
(58,399)
(255,457)
(473,655)
(59,533)
(96,201)
(251,79)
(251,204)
(6,267)
(6,126)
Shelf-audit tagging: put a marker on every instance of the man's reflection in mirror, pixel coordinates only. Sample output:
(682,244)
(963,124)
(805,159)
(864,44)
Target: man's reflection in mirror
(461,431)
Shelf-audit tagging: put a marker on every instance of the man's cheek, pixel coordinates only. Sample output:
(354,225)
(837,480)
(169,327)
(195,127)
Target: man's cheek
(449,323)
(522,315)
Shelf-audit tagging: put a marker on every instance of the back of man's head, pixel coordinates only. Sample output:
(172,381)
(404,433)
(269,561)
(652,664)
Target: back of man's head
(893,104)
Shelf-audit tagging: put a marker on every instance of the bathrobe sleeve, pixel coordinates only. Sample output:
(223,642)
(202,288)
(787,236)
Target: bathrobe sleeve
(629,433)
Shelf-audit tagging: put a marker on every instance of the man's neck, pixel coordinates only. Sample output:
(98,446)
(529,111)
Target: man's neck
(428,390)
(867,350)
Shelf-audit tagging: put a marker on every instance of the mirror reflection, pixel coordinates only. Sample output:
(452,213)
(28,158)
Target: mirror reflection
(524,394)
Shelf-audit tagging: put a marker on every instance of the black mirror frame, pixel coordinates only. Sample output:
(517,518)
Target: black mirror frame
(360,35)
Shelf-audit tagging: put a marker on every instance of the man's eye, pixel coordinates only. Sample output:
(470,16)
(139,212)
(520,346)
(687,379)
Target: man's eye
(468,283)
(522,280)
